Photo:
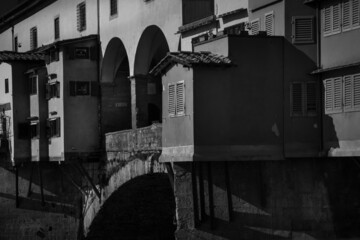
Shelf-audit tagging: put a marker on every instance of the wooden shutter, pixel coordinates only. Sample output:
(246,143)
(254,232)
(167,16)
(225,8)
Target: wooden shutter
(355,13)
(303,30)
(180,98)
(348,92)
(338,96)
(327,20)
(336,18)
(296,99)
(329,92)
(255,27)
(269,23)
(346,15)
(311,99)
(356,93)
(171,99)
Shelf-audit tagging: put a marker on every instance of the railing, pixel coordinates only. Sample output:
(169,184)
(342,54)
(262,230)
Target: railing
(141,139)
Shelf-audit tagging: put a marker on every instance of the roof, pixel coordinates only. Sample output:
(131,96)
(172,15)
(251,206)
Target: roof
(189,59)
(322,70)
(6,56)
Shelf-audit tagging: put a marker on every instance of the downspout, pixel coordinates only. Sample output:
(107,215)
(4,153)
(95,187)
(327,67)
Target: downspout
(99,75)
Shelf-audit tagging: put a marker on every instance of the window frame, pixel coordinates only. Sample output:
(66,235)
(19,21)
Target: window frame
(33,85)
(81,16)
(35,125)
(54,127)
(310,40)
(57,27)
(259,25)
(272,23)
(33,38)
(174,112)
(113,13)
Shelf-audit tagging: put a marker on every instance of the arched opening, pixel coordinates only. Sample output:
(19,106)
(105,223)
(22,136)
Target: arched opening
(151,49)
(115,88)
(143,208)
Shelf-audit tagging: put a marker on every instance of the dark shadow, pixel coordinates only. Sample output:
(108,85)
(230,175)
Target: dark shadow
(142,208)
(154,114)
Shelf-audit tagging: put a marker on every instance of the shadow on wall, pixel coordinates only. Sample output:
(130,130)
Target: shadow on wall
(142,208)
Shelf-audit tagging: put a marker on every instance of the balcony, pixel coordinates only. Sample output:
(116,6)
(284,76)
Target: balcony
(120,145)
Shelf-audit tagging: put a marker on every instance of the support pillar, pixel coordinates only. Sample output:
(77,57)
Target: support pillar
(139,101)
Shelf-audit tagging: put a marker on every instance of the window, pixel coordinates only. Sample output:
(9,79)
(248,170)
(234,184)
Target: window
(113,7)
(303,99)
(269,23)
(303,30)
(176,99)
(194,10)
(83,88)
(342,94)
(53,90)
(342,16)
(52,56)
(57,28)
(53,127)
(6,85)
(33,38)
(255,27)
(16,43)
(81,16)
(34,130)
(33,85)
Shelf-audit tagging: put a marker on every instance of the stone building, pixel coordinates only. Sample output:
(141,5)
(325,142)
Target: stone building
(250,108)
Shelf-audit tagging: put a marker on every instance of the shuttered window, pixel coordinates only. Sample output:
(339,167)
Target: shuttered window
(176,100)
(57,28)
(81,16)
(33,38)
(336,17)
(355,13)
(53,127)
(303,99)
(113,7)
(346,15)
(269,23)
(172,100)
(255,27)
(342,94)
(53,90)
(303,30)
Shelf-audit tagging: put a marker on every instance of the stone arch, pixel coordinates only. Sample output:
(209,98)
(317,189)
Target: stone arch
(116,88)
(142,208)
(152,47)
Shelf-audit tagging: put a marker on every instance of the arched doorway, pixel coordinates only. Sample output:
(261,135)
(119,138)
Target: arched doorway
(151,49)
(142,208)
(115,88)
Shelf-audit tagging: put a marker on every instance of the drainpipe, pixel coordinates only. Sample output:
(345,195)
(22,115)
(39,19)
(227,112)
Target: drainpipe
(99,74)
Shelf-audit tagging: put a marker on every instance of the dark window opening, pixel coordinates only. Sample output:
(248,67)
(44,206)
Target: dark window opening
(33,38)
(53,90)
(53,127)
(34,130)
(194,10)
(33,85)
(113,7)
(16,43)
(6,85)
(81,16)
(304,99)
(57,28)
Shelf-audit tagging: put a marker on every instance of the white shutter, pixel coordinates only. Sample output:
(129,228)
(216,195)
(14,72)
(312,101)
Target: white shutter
(356,93)
(346,15)
(338,99)
(180,98)
(171,99)
(329,89)
(327,20)
(336,18)
(303,29)
(355,13)
(269,23)
(255,27)
(348,90)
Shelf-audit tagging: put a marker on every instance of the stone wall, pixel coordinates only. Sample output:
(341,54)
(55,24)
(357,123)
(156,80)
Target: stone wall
(292,199)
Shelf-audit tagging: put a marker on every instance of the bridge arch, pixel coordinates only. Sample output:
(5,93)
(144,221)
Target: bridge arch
(115,88)
(152,47)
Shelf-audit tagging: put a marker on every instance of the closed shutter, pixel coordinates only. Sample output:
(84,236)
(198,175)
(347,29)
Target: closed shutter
(113,7)
(48,129)
(171,99)
(48,91)
(329,92)
(311,103)
(296,99)
(57,28)
(348,89)
(355,13)
(255,27)
(346,15)
(338,94)
(33,38)
(269,24)
(57,86)
(303,30)
(327,20)
(336,18)
(356,93)
(180,98)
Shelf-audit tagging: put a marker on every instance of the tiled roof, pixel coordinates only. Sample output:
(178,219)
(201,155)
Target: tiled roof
(6,56)
(189,59)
